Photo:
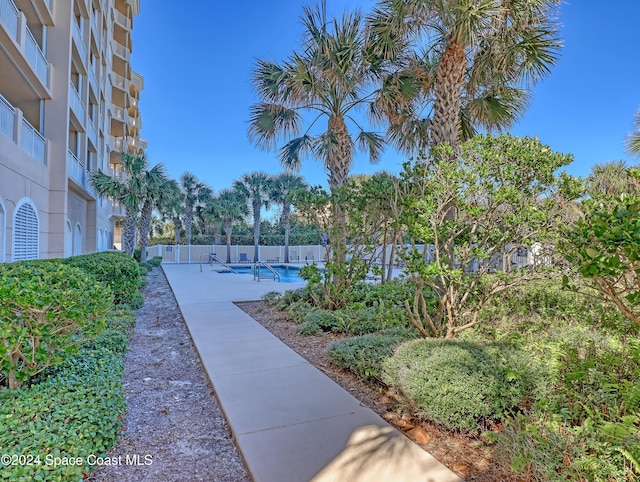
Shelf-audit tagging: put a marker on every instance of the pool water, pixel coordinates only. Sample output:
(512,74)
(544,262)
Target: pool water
(288,274)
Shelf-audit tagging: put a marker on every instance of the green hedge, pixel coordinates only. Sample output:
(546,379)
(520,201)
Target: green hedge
(461,385)
(117,270)
(73,410)
(46,311)
(364,354)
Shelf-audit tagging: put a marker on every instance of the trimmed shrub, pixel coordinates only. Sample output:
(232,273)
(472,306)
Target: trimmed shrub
(315,322)
(46,311)
(75,412)
(116,270)
(364,354)
(461,385)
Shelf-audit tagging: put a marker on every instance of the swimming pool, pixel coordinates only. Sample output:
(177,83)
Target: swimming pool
(288,274)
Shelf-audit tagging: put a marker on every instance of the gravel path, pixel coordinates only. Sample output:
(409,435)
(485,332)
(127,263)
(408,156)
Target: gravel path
(174,429)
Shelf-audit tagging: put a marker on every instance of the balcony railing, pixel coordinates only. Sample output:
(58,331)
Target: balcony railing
(33,142)
(77,36)
(120,50)
(122,19)
(117,144)
(76,104)
(119,81)
(9,16)
(36,58)
(91,133)
(119,113)
(75,169)
(93,81)
(7,118)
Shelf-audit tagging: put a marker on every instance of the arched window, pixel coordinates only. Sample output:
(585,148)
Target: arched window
(77,241)
(68,240)
(26,231)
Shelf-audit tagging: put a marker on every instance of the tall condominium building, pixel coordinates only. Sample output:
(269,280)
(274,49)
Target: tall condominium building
(68,106)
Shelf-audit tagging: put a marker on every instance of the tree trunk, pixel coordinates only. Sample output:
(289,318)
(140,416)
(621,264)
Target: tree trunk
(392,255)
(145,226)
(445,126)
(339,164)
(129,233)
(217,234)
(256,234)
(177,226)
(188,221)
(286,214)
(227,232)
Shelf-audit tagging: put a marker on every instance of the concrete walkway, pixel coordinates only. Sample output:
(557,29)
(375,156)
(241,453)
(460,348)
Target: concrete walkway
(291,422)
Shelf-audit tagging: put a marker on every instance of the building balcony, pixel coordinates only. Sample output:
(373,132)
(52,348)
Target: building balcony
(92,134)
(119,82)
(31,141)
(119,113)
(120,50)
(19,44)
(79,41)
(77,107)
(78,174)
(121,19)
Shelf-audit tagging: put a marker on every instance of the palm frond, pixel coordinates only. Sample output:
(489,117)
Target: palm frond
(633,140)
(294,151)
(373,143)
(270,121)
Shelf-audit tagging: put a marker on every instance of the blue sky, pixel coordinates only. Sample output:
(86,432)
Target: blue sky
(197,64)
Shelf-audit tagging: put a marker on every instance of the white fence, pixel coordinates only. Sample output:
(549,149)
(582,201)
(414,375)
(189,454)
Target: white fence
(239,254)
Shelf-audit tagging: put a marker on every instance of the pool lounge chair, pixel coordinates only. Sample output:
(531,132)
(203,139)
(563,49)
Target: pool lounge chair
(243,258)
(309,257)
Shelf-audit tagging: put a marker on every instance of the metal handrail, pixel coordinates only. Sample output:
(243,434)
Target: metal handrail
(213,257)
(260,264)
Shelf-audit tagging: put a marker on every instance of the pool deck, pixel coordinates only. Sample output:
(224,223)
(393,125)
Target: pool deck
(290,421)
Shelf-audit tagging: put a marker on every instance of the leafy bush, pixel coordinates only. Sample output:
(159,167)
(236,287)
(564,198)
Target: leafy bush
(378,317)
(315,322)
(116,270)
(298,310)
(71,410)
(461,384)
(155,261)
(364,354)
(587,429)
(539,305)
(46,311)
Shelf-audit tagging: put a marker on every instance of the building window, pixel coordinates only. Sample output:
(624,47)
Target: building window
(26,229)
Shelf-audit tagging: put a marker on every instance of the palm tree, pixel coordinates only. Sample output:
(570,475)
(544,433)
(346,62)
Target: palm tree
(128,191)
(171,207)
(194,192)
(611,179)
(283,188)
(155,188)
(330,79)
(479,60)
(228,208)
(633,141)
(256,188)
